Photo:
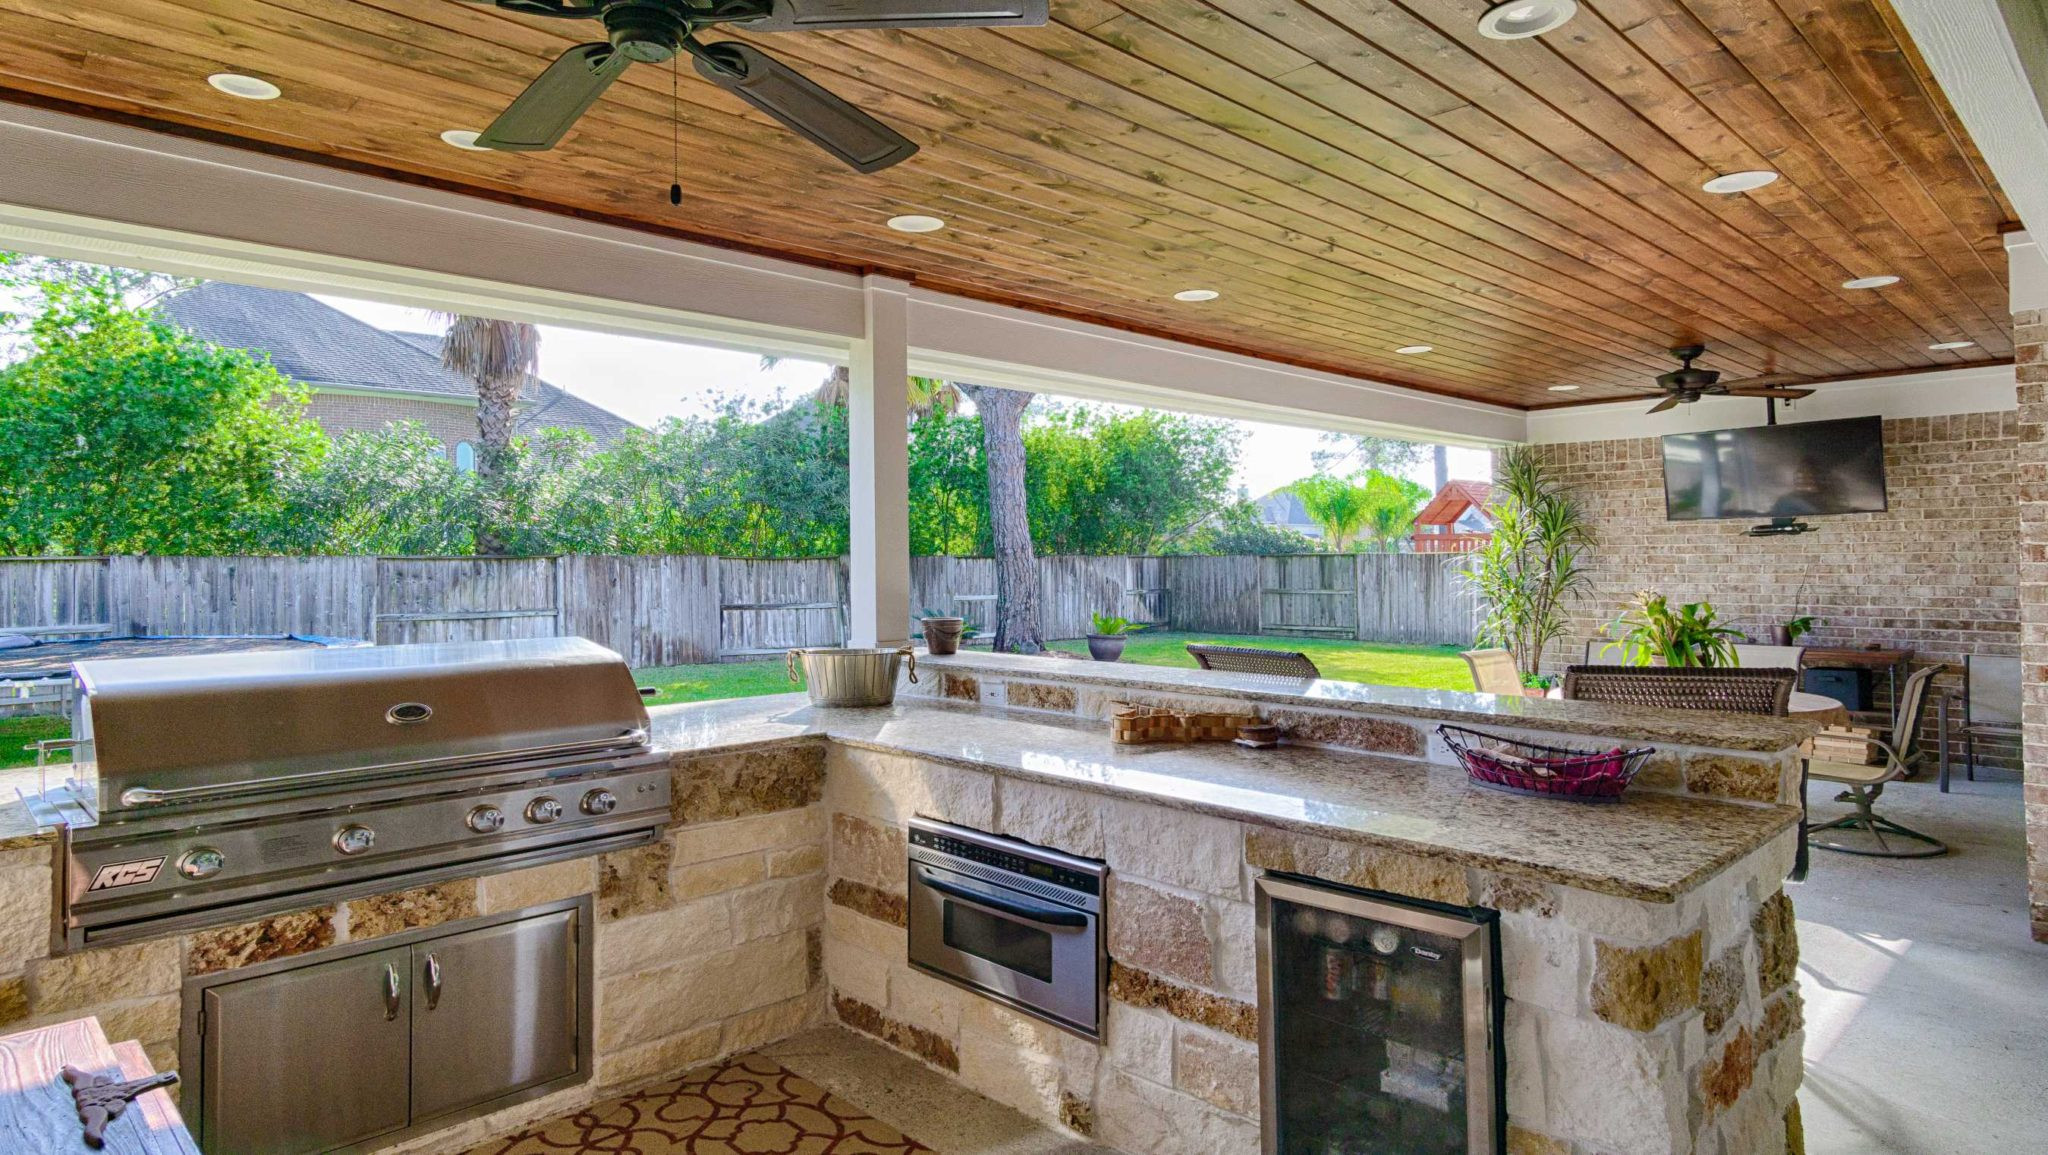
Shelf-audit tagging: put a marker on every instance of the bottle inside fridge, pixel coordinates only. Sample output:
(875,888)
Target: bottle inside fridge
(1380,1021)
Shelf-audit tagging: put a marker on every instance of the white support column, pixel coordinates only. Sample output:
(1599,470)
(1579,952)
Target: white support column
(879,468)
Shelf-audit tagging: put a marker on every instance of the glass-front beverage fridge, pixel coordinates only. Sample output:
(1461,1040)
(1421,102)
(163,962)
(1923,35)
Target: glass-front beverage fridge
(1380,1024)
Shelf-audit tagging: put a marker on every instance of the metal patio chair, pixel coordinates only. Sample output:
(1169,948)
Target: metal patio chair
(1494,672)
(1247,660)
(1865,783)
(1769,657)
(1990,703)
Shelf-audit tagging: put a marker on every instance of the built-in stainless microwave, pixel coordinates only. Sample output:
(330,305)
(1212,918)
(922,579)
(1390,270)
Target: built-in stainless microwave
(1018,923)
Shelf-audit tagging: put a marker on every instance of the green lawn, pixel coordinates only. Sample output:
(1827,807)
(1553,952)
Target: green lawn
(1384,664)
(1433,667)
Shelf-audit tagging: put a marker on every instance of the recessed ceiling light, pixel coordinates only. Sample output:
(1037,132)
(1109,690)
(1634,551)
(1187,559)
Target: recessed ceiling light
(1517,19)
(246,87)
(464,139)
(916,223)
(1412,350)
(1196,295)
(1878,282)
(1945,346)
(1740,182)
(1564,388)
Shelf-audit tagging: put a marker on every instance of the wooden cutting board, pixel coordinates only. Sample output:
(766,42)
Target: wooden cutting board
(36,1112)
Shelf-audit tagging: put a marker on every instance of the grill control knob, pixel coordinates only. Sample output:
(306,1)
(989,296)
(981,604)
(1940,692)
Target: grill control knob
(354,838)
(543,809)
(487,820)
(201,862)
(600,802)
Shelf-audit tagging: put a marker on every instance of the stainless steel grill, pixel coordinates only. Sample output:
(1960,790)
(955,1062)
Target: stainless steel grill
(230,786)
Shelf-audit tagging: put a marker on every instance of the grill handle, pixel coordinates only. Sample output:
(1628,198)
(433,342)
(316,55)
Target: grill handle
(1042,913)
(433,982)
(147,796)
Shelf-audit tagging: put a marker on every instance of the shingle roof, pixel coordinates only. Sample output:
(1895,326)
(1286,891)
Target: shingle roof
(1451,502)
(317,344)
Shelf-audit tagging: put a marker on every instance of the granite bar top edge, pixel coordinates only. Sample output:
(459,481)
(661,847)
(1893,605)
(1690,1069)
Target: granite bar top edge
(1715,729)
(1262,787)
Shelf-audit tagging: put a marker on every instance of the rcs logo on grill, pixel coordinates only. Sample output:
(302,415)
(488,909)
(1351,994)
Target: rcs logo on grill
(117,874)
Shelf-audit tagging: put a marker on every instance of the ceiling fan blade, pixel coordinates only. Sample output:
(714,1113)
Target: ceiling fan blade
(795,15)
(556,99)
(1781,394)
(806,109)
(1670,402)
(1766,379)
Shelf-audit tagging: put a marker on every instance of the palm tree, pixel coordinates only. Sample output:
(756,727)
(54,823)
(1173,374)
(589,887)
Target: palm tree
(501,358)
(1341,508)
(927,395)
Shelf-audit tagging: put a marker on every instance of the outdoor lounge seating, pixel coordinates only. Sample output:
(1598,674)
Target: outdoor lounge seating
(1494,671)
(1865,783)
(1745,691)
(1247,660)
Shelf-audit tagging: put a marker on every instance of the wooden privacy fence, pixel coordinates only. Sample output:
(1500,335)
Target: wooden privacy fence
(677,610)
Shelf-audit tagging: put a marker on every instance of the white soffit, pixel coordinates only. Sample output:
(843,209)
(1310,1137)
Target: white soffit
(1991,59)
(1974,389)
(90,190)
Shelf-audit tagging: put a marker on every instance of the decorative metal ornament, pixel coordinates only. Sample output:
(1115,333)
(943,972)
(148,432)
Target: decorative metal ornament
(100,1100)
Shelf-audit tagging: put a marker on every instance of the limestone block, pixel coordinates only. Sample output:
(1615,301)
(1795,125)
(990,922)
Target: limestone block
(921,1000)
(151,1021)
(692,930)
(636,881)
(1608,1087)
(1661,773)
(13,999)
(1237,946)
(1777,943)
(425,906)
(778,907)
(84,979)
(1027,1080)
(25,897)
(663,1058)
(959,687)
(651,1004)
(1217,1069)
(1528,1090)
(799,860)
(1721,775)
(1054,816)
(784,829)
(278,936)
(1140,1042)
(38,855)
(1144,1118)
(1040,696)
(1544,962)
(857,973)
(891,788)
(1722,988)
(1727,1074)
(1177,847)
(1619,919)
(1355,864)
(870,902)
(932,1048)
(868,852)
(1160,931)
(718,876)
(519,889)
(883,939)
(1143,989)
(1510,895)
(720,787)
(1522,1141)
(1641,987)
(1347,730)
(776,1021)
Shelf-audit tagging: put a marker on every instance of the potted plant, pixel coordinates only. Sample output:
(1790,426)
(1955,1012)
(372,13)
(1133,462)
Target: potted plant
(1648,630)
(1529,572)
(1789,632)
(1106,644)
(942,634)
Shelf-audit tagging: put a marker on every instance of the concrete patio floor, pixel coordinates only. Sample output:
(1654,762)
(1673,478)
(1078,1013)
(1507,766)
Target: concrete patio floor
(1923,989)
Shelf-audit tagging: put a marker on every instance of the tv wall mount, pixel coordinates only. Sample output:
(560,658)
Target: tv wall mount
(1781,527)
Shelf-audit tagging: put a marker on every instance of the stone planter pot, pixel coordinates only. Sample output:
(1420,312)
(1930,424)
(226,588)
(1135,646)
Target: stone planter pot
(942,635)
(1107,647)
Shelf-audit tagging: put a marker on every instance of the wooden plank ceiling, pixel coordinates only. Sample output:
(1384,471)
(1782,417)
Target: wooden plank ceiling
(1351,175)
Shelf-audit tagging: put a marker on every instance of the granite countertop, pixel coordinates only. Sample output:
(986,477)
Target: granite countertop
(1684,727)
(1648,846)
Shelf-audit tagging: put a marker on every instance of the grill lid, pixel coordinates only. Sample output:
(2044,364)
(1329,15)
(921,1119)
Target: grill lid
(165,730)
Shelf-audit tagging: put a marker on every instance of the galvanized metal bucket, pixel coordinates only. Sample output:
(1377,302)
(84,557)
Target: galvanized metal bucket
(850,677)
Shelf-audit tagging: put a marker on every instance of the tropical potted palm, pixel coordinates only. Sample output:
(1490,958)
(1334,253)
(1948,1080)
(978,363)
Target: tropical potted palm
(1529,572)
(1648,630)
(1106,644)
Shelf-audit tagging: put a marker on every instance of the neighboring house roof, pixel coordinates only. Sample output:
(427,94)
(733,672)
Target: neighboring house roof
(319,345)
(1282,508)
(1454,500)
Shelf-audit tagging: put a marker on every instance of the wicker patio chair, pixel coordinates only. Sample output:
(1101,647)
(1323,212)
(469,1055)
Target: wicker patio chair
(1246,660)
(1742,691)
(1865,783)
(1494,672)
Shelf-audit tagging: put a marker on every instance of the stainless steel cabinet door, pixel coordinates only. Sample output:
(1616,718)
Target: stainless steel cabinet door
(307,1060)
(494,1010)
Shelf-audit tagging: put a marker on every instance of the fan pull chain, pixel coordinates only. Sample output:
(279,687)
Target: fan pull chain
(675,127)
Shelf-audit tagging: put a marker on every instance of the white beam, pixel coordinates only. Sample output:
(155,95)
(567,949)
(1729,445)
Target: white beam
(1982,51)
(878,465)
(2026,272)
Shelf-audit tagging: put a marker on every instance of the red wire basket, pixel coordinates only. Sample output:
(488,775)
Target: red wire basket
(1548,771)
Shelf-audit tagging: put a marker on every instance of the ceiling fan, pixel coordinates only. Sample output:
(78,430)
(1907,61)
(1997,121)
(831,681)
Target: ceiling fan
(653,31)
(1686,384)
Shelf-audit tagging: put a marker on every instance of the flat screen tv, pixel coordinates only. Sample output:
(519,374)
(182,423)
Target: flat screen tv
(1776,471)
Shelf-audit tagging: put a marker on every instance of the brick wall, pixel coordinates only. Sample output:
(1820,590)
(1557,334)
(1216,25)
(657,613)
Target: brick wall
(340,413)
(2030,341)
(1937,573)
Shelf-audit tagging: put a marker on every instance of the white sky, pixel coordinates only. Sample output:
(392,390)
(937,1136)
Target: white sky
(645,380)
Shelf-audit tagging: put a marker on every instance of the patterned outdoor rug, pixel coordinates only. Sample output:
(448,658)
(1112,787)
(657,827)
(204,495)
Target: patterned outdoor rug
(747,1105)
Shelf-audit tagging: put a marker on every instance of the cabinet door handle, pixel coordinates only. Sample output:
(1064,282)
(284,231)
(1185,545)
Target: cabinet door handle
(390,992)
(433,982)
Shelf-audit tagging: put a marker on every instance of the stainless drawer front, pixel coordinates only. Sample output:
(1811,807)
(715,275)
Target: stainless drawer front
(493,1011)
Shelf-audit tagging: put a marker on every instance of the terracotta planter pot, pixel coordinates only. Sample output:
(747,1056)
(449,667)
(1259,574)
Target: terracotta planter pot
(942,635)
(1107,647)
